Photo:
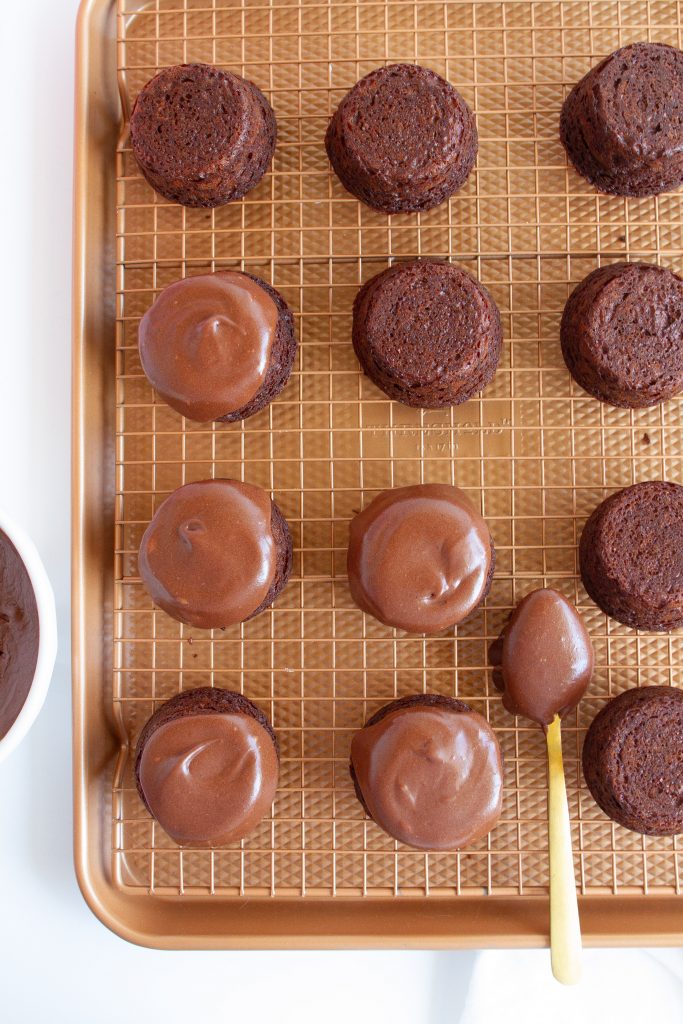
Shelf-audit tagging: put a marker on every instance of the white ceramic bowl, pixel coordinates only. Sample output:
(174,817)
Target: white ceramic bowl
(47,635)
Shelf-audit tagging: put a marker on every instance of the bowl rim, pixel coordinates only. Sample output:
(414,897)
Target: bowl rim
(47,634)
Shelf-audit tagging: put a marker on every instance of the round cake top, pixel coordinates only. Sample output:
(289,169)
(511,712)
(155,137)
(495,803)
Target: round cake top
(622,334)
(429,772)
(545,656)
(428,322)
(197,115)
(209,779)
(208,557)
(632,549)
(420,558)
(638,94)
(405,121)
(206,341)
(632,760)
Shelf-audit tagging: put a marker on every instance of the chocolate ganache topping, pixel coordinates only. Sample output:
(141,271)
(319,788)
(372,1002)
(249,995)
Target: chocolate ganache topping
(208,556)
(429,772)
(205,343)
(209,779)
(544,658)
(420,558)
(19,634)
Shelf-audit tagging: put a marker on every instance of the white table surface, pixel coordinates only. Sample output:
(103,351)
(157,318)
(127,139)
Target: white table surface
(57,962)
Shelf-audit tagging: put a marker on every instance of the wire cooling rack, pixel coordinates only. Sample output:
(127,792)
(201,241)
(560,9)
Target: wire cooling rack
(535,453)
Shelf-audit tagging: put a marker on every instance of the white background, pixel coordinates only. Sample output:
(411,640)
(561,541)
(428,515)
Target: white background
(57,963)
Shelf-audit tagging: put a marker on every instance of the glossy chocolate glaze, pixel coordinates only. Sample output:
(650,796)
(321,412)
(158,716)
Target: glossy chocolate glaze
(208,556)
(431,776)
(19,634)
(205,344)
(420,558)
(209,779)
(544,658)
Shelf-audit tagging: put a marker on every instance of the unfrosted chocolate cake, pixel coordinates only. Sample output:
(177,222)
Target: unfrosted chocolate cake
(427,333)
(403,139)
(622,124)
(202,136)
(633,760)
(631,556)
(622,334)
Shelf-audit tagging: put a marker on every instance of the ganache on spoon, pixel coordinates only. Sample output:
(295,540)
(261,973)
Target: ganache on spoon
(543,659)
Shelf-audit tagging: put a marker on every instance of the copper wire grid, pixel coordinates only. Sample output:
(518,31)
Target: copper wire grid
(536,454)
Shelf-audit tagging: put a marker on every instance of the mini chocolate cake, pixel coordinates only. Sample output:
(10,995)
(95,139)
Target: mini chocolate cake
(206,766)
(622,125)
(202,136)
(633,760)
(420,558)
(403,139)
(218,346)
(427,333)
(622,334)
(428,770)
(217,552)
(631,556)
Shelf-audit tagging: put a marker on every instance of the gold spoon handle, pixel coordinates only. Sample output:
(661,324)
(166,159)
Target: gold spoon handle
(565,930)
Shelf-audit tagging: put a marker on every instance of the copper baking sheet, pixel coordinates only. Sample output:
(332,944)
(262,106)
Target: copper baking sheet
(535,454)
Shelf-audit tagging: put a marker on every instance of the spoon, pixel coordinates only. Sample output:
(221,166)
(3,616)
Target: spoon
(543,663)
(565,929)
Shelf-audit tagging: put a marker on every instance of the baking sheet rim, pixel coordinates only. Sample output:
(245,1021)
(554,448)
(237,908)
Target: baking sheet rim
(252,923)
